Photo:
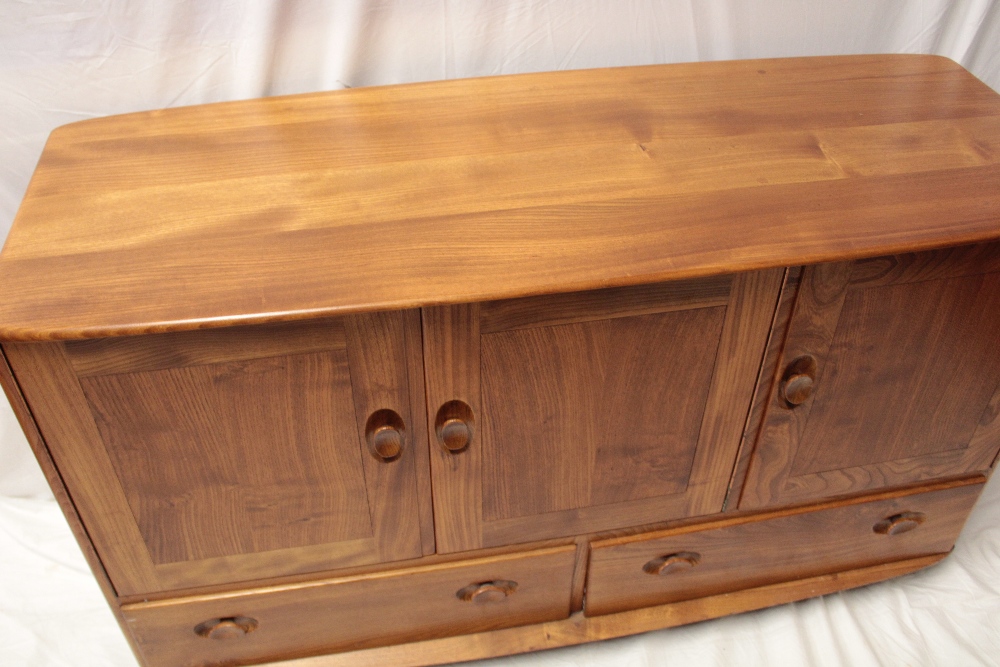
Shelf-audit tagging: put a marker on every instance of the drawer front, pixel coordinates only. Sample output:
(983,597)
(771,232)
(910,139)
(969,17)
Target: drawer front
(356,612)
(744,552)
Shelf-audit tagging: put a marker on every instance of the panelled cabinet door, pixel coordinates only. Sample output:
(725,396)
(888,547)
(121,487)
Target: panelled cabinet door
(889,375)
(567,414)
(232,454)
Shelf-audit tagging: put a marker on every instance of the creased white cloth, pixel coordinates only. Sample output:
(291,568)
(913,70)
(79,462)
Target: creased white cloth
(63,60)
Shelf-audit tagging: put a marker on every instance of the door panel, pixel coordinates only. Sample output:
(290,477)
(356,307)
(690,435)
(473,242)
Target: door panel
(232,454)
(935,386)
(905,379)
(591,411)
(629,407)
(229,488)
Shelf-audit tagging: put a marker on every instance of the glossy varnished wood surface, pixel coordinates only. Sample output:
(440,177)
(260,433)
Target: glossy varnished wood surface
(459,191)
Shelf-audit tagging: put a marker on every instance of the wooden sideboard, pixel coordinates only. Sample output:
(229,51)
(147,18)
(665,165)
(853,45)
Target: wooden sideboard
(443,371)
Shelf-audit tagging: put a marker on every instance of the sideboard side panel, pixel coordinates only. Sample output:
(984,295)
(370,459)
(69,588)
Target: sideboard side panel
(55,397)
(62,496)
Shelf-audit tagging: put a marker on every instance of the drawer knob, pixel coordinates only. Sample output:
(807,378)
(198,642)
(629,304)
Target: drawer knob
(487,591)
(455,426)
(903,522)
(676,562)
(385,434)
(798,380)
(226,628)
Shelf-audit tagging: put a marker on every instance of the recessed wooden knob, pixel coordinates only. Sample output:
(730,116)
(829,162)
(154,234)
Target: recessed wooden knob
(231,627)
(387,443)
(798,380)
(675,562)
(455,426)
(798,388)
(903,522)
(486,592)
(385,434)
(455,435)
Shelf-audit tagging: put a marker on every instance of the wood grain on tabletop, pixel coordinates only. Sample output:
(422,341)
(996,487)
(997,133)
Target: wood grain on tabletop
(457,191)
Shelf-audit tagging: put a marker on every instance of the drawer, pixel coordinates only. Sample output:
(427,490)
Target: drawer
(362,611)
(743,552)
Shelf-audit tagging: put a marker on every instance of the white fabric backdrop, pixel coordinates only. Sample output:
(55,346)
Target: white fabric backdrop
(64,60)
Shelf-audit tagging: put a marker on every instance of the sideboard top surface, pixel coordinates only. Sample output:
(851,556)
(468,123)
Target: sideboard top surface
(478,189)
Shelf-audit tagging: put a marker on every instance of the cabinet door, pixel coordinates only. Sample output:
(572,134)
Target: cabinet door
(234,454)
(574,413)
(889,375)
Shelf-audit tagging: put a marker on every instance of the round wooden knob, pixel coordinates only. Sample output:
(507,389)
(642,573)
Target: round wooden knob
(675,562)
(798,388)
(455,426)
(231,627)
(903,522)
(385,434)
(798,380)
(487,591)
(455,435)
(387,443)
